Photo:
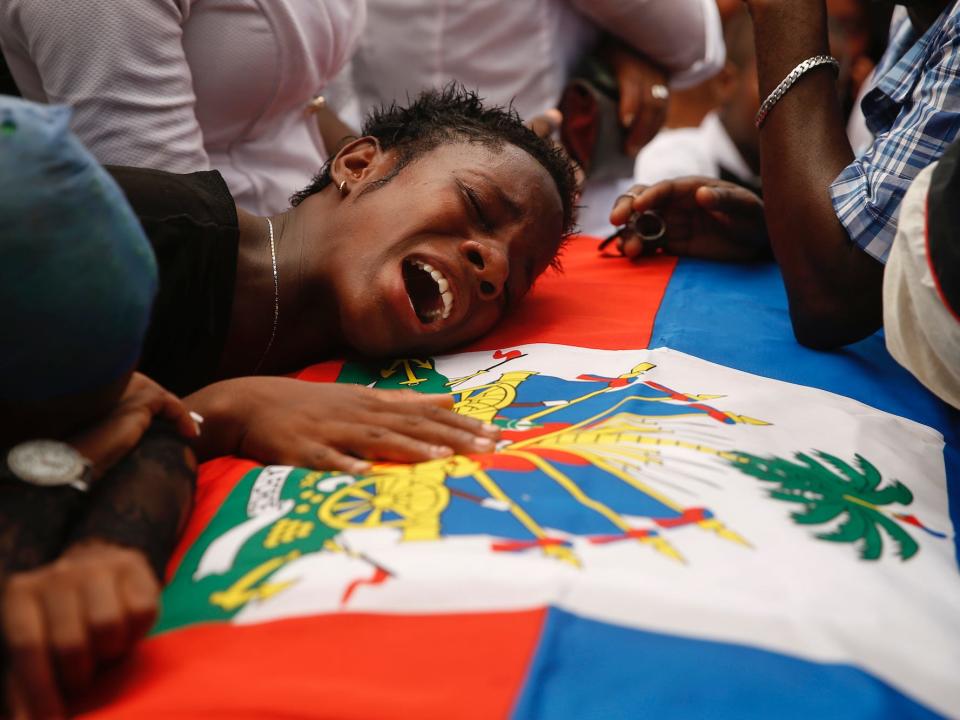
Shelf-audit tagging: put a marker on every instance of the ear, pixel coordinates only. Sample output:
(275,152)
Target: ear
(360,160)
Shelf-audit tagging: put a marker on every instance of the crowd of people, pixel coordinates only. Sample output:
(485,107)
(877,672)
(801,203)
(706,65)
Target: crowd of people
(199,197)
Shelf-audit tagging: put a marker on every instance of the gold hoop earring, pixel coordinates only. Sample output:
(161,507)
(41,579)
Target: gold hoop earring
(341,186)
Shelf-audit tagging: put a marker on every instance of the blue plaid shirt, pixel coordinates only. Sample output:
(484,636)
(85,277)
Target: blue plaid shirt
(913,112)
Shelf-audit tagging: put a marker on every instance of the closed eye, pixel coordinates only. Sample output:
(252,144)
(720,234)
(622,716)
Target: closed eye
(475,207)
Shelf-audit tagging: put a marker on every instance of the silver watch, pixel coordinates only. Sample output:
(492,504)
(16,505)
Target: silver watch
(50,463)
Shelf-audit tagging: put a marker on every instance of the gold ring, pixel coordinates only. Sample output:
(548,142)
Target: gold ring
(317,103)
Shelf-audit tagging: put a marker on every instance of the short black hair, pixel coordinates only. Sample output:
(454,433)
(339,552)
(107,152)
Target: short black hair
(452,114)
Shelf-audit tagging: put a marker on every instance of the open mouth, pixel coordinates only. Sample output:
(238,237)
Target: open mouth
(428,290)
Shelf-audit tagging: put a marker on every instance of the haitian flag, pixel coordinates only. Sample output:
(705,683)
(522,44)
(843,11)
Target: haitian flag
(727,525)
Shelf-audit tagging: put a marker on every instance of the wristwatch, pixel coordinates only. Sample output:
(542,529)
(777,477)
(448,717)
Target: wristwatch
(50,463)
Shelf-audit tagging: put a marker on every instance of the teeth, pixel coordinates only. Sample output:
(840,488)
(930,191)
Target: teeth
(442,284)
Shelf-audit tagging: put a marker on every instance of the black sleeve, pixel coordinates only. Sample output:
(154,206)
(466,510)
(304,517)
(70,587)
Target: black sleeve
(144,501)
(191,222)
(33,522)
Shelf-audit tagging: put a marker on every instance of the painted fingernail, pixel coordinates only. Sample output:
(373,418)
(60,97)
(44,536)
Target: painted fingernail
(197,417)
(440,451)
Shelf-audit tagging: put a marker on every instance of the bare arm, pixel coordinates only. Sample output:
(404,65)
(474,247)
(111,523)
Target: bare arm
(833,286)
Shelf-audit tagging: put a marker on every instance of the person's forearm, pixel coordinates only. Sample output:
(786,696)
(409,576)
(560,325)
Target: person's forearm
(33,523)
(144,501)
(833,286)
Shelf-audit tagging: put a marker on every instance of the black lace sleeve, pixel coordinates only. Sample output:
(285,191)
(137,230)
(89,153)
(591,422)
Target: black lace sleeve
(33,522)
(143,502)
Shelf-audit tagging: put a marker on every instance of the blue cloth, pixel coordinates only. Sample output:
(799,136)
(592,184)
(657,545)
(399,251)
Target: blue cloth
(589,670)
(736,315)
(77,274)
(914,114)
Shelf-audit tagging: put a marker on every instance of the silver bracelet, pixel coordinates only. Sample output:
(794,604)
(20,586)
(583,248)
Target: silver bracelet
(798,72)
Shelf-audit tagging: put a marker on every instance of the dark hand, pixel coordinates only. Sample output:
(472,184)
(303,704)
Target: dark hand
(111,439)
(63,620)
(643,96)
(705,218)
(547,126)
(330,426)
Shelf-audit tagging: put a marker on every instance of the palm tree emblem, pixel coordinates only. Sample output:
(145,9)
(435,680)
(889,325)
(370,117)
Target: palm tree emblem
(829,489)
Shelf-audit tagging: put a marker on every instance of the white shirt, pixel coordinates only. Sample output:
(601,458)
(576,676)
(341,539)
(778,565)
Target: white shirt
(921,333)
(523,50)
(681,152)
(185,85)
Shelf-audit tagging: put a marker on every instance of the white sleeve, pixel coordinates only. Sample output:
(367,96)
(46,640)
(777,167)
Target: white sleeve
(683,36)
(673,153)
(121,67)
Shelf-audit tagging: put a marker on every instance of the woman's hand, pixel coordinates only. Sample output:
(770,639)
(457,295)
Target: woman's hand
(332,426)
(112,438)
(64,620)
(644,95)
(704,218)
(547,126)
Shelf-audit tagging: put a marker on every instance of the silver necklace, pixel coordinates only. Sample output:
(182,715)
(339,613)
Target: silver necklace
(276,297)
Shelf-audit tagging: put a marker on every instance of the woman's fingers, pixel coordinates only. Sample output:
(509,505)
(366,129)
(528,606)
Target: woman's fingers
(151,397)
(435,407)
(25,632)
(109,441)
(548,124)
(411,396)
(461,439)
(379,443)
(61,620)
(651,111)
(449,418)
(320,456)
(68,635)
(105,617)
(173,409)
(140,593)
(631,99)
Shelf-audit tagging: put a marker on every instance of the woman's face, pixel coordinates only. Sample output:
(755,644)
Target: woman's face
(437,255)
